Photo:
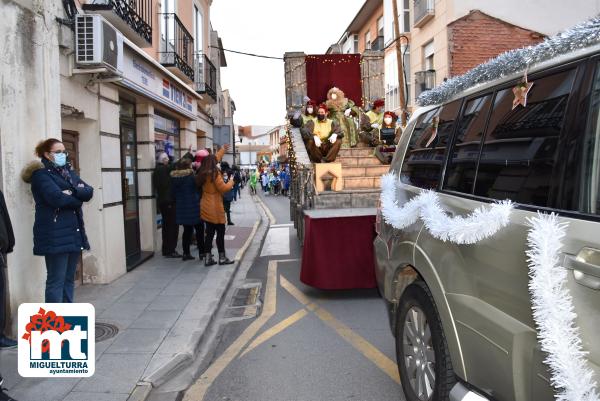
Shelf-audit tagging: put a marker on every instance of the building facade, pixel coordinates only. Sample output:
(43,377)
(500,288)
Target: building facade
(258,144)
(445,38)
(161,95)
(364,36)
(365,32)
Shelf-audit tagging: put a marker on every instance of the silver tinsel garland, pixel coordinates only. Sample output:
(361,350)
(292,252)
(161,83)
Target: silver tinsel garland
(580,36)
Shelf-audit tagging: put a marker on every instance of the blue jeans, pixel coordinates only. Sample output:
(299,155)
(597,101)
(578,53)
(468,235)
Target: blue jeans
(60,282)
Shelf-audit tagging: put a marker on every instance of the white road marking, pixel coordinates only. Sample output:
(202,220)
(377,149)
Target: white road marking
(281,225)
(229,237)
(277,242)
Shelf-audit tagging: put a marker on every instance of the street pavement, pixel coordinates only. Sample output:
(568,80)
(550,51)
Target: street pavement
(306,344)
(162,310)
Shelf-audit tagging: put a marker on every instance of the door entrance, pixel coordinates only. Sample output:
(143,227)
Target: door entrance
(130,184)
(71,141)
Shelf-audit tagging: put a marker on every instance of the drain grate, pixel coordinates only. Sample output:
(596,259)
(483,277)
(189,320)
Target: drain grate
(245,302)
(104,331)
(245,295)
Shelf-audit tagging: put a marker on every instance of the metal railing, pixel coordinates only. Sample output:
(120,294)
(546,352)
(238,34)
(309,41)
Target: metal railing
(135,13)
(177,45)
(424,81)
(423,11)
(205,74)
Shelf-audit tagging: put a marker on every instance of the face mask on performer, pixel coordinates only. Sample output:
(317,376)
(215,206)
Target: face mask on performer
(388,120)
(309,110)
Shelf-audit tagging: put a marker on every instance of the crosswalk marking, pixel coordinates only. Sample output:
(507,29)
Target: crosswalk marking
(277,242)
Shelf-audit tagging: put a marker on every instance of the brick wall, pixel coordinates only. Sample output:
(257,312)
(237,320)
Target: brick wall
(478,37)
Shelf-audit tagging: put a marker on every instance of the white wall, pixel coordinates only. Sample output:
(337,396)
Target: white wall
(29,112)
(545,16)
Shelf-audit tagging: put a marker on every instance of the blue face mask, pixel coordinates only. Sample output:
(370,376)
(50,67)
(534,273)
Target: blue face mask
(60,159)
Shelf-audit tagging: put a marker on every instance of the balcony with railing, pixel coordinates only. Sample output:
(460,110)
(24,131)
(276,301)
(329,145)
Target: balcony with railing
(424,81)
(132,17)
(205,74)
(176,47)
(424,11)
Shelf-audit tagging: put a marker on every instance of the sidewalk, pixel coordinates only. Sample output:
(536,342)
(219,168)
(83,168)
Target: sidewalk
(161,310)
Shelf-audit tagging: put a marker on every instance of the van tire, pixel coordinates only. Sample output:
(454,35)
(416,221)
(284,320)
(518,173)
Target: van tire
(417,295)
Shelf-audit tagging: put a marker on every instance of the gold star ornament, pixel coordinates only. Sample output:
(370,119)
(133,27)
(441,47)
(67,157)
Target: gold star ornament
(520,91)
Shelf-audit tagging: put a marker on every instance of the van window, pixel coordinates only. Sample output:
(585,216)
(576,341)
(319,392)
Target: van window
(462,164)
(520,148)
(424,156)
(589,199)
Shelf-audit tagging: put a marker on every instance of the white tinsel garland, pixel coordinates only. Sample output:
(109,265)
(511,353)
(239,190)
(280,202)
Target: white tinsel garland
(552,305)
(513,61)
(481,224)
(554,313)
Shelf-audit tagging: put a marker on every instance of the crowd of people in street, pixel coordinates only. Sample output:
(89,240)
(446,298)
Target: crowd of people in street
(273,181)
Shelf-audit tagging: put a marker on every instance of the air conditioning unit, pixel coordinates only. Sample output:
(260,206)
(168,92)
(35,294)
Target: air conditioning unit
(98,44)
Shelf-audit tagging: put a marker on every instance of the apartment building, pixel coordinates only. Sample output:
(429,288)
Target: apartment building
(364,35)
(157,89)
(365,32)
(258,144)
(445,38)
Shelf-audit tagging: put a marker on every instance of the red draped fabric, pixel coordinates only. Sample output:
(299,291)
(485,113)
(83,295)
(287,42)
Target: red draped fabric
(323,72)
(338,253)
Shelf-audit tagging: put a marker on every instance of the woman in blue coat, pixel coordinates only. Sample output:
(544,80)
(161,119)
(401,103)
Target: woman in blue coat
(187,206)
(58,230)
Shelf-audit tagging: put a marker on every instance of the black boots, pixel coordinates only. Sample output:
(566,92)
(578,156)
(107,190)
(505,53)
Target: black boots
(223,260)
(187,256)
(208,259)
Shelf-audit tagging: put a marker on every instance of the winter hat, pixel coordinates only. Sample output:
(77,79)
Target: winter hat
(378,103)
(322,106)
(201,154)
(390,114)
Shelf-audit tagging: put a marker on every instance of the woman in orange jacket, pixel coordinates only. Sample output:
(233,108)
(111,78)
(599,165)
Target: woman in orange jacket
(210,180)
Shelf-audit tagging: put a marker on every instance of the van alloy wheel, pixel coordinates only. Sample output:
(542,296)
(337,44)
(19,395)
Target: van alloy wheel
(422,353)
(419,356)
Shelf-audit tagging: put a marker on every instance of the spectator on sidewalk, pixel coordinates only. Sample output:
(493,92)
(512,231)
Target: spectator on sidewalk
(228,196)
(237,183)
(187,207)
(161,180)
(7,243)
(58,230)
(209,178)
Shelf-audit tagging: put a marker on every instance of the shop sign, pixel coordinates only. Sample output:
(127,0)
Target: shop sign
(143,77)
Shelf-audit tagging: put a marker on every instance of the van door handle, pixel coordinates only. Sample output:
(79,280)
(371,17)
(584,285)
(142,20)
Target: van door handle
(586,274)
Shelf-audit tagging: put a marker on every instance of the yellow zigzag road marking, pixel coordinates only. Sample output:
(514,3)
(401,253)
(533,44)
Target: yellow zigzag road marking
(273,331)
(198,390)
(360,343)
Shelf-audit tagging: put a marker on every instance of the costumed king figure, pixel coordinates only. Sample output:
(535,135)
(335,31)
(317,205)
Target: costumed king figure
(299,119)
(343,111)
(389,134)
(370,124)
(326,137)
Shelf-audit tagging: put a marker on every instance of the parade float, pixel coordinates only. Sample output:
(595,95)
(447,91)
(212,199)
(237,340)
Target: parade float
(333,204)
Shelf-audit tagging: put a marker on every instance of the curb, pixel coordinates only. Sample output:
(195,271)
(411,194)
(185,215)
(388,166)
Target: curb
(182,360)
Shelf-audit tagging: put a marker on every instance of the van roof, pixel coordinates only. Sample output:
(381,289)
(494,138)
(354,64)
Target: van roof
(577,42)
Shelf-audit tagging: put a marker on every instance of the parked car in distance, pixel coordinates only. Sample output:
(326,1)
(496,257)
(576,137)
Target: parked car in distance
(461,314)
